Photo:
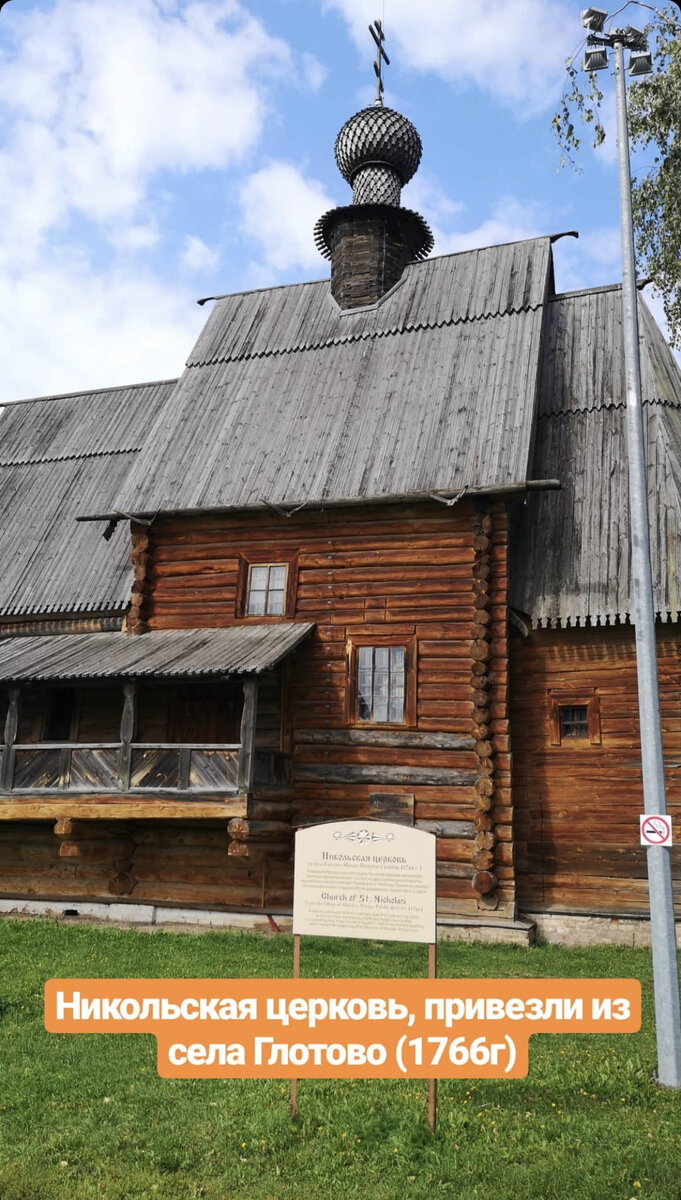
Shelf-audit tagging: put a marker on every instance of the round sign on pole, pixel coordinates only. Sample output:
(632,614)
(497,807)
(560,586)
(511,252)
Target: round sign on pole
(656,830)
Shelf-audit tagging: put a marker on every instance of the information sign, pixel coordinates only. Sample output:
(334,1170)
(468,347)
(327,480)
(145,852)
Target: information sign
(365,879)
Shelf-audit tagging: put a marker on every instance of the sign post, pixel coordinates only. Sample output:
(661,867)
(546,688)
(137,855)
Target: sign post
(365,879)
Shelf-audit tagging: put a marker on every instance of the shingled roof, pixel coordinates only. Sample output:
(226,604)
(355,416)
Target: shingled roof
(570,558)
(288,400)
(58,457)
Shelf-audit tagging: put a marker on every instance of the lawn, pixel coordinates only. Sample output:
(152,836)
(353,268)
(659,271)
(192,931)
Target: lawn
(85,1117)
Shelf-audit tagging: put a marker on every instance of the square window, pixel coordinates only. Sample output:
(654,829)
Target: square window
(573,721)
(574,718)
(266,591)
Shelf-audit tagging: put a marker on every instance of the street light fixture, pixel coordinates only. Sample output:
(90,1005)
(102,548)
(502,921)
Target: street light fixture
(640,62)
(594,19)
(662,930)
(595,58)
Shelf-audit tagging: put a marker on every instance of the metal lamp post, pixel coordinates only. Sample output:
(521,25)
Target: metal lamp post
(663,935)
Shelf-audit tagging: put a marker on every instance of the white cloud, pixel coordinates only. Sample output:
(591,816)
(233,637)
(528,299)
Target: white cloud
(279,207)
(514,49)
(101,101)
(103,94)
(197,256)
(511,220)
(68,329)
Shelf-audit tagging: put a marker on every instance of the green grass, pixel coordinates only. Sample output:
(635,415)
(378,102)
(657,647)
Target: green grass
(85,1117)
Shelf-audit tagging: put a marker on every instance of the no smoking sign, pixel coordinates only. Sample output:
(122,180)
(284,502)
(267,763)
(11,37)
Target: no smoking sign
(656,830)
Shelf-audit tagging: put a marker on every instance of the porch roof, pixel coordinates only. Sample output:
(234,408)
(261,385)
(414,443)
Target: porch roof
(185,653)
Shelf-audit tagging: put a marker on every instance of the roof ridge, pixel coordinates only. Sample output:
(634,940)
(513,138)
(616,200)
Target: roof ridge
(592,291)
(275,287)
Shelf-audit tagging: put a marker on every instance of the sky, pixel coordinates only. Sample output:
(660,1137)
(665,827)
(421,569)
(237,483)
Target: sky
(153,152)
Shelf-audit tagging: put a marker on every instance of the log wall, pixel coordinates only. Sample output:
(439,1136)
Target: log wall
(178,864)
(577,804)
(428,577)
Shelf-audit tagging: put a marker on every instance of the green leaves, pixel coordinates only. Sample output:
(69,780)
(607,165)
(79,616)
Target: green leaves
(655,126)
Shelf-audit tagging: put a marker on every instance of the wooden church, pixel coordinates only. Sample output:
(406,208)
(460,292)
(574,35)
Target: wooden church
(368,557)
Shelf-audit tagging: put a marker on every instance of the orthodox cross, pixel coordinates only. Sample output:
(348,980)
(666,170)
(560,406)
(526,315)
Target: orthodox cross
(376,31)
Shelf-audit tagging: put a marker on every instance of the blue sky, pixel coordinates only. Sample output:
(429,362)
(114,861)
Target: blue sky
(156,151)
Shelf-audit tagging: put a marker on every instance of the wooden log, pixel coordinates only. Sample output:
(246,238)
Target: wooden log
(381,775)
(481,651)
(483,822)
(269,810)
(361,737)
(483,860)
(244,829)
(114,808)
(484,787)
(484,882)
(95,851)
(446,829)
(259,851)
(484,841)
(122,884)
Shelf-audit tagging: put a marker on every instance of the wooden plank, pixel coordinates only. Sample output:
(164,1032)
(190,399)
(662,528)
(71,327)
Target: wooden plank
(248,728)
(120,809)
(128,725)
(410,739)
(381,774)
(11,728)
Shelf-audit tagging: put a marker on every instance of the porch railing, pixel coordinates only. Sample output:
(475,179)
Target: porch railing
(119,767)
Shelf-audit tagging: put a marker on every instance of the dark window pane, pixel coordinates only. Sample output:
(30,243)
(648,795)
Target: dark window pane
(574,722)
(60,708)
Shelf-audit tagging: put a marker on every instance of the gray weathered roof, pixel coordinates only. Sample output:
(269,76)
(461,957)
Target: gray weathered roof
(59,456)
(288,400)
(570,557)
(241,650)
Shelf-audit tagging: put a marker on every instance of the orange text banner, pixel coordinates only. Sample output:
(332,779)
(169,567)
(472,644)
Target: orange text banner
(349,1028)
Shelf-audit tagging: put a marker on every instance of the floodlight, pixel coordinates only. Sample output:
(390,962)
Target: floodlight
(595,58)
(634,39)
(640,62)
(594,19)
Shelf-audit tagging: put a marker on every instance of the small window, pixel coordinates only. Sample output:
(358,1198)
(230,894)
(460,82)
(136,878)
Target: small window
(266,594)
(381,684)
(574,718)
(573,721)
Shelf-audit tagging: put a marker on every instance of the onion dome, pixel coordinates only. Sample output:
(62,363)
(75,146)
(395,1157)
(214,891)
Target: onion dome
(384,143)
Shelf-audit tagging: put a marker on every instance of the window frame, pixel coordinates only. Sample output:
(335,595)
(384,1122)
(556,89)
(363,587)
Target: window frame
(353,645)
(590,701)
(250,559)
